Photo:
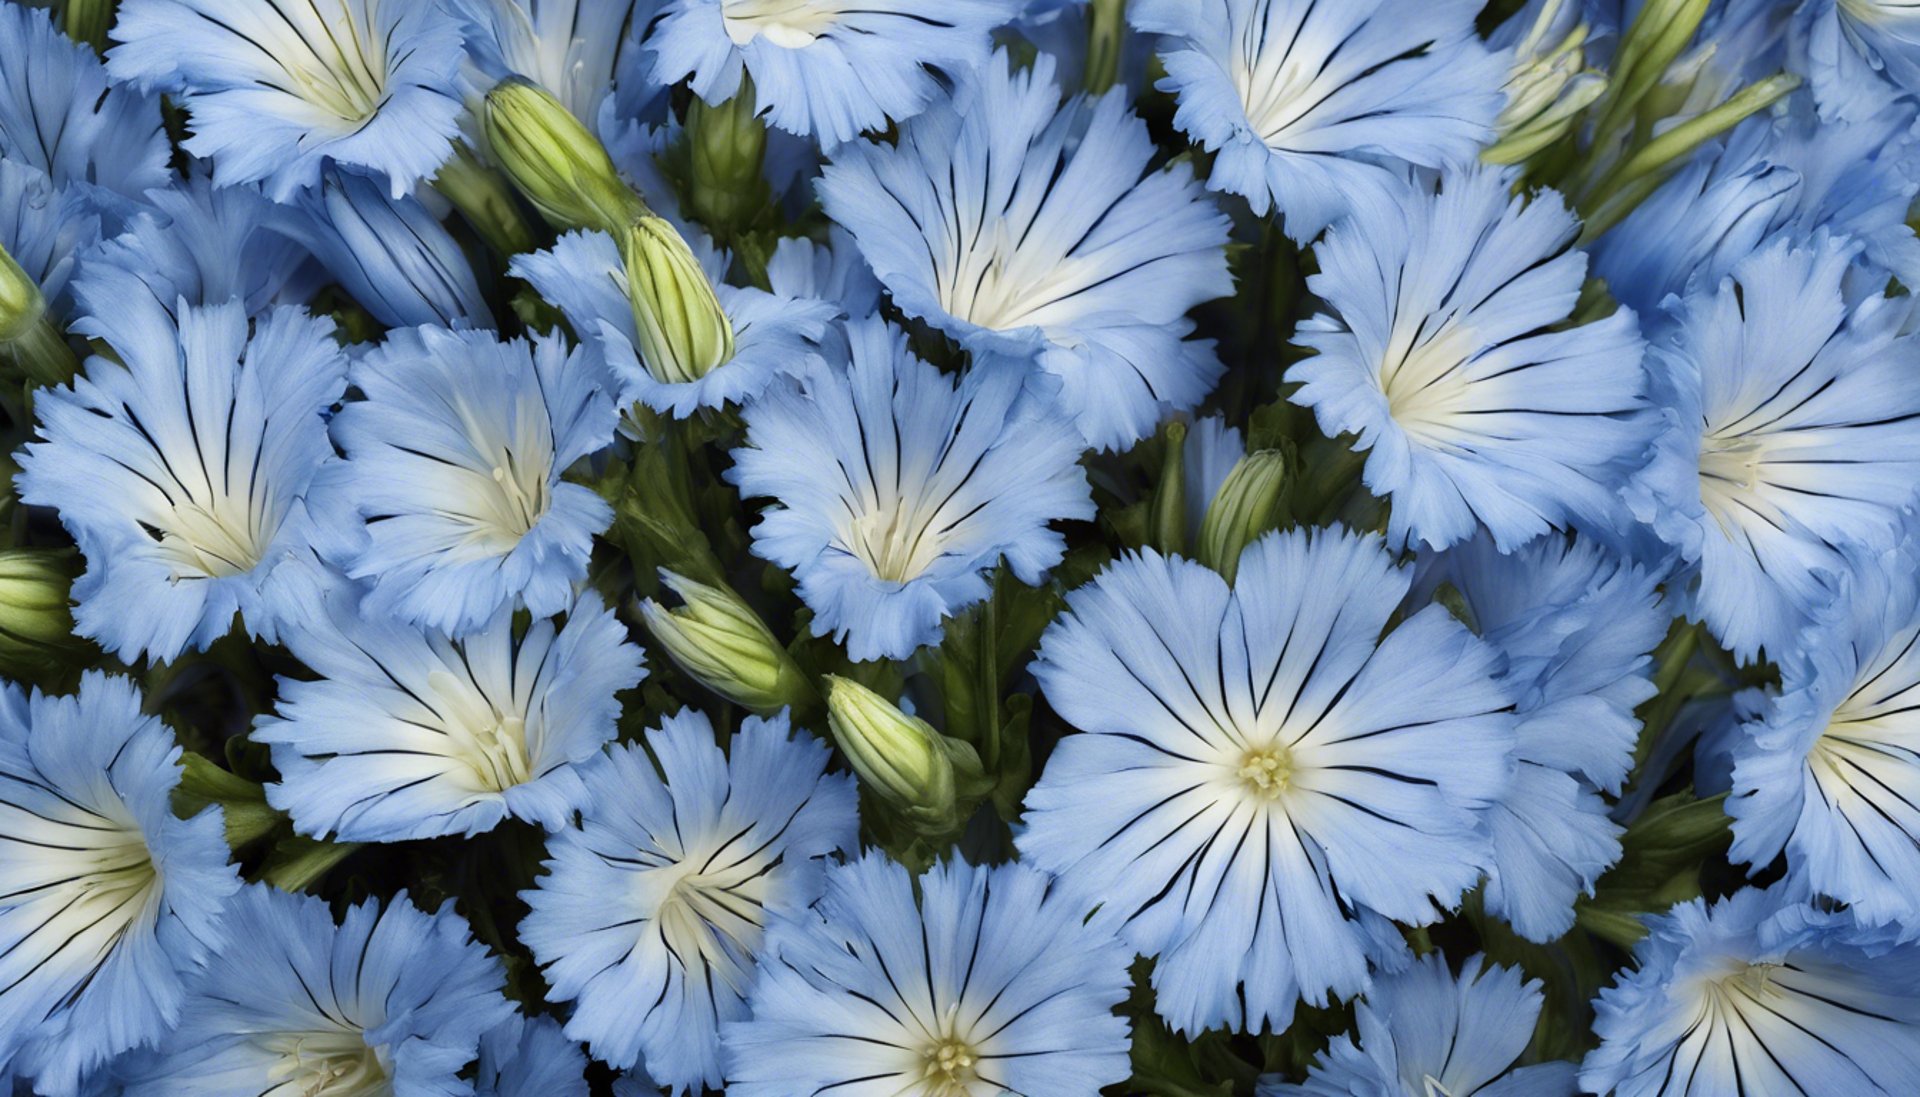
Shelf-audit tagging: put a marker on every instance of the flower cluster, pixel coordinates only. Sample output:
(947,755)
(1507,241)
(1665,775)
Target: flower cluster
(945,548)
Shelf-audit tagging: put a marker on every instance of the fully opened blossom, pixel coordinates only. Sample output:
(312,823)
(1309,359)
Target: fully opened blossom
(183,466)
(1757,994)
(832,69)
(1830,772)
(651,915)
(109,902)
(1425,1031)
(1439,351)
(981,981)
(386,1002)
(1030,229)
(897,490)
(1263,784)
(1791,426)
(277,88)
(452,488)
(44,230)
(408,734)
(1307,105)
(530,1057)
(59,114)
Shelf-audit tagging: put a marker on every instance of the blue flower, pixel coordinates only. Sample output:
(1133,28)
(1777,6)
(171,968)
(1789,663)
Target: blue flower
(1791,172)
(530,1057)
(1576,625)
(897,490)
(452,491)
(1830,771)
(1791,426)
(197,243)
(572,48)
(1029,229)
(1759,994)
(1859,55)
(1309,106)
(826,67)
(650,916)
(991,981)
(109,903)
(44,229)
(1263,784)
(585,277)
(276,90)
(59,114)
(392,1002)
(1441,351)
(390,254)
(412,735)
(1424,1032)
(184,472)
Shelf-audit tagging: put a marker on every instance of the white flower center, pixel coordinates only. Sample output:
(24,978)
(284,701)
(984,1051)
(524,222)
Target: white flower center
(710,908)
(789,24)
(331,60)
(327,1063)
(228,536)
(1266,772)
(895,540)
(1880,11)
(522,494)
(949,1070)
(491,742)
(1730,476)
(1424,380)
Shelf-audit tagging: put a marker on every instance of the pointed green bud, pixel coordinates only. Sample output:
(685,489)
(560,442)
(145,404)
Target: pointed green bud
(1548,89)
(900,759)
(36,623)
(721,643)
(727,145)
(21,305)
(1251,501)
(555,161)
(684,333)
(1167,509)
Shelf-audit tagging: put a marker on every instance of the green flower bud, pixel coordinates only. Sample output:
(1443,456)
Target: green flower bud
(36,624)
(901,759)
(727,145)
(1548,89)
(1167,507)
(555,161)
(88,21)
(21,305)
(684,333)
(1251,501)
(722,644)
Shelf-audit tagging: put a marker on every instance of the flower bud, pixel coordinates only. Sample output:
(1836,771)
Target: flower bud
(727,145)
(684,333)
(722,644)
(555,161)
(1547,88)
(36,625)
(21,304)
(1251,501)
(901,759)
